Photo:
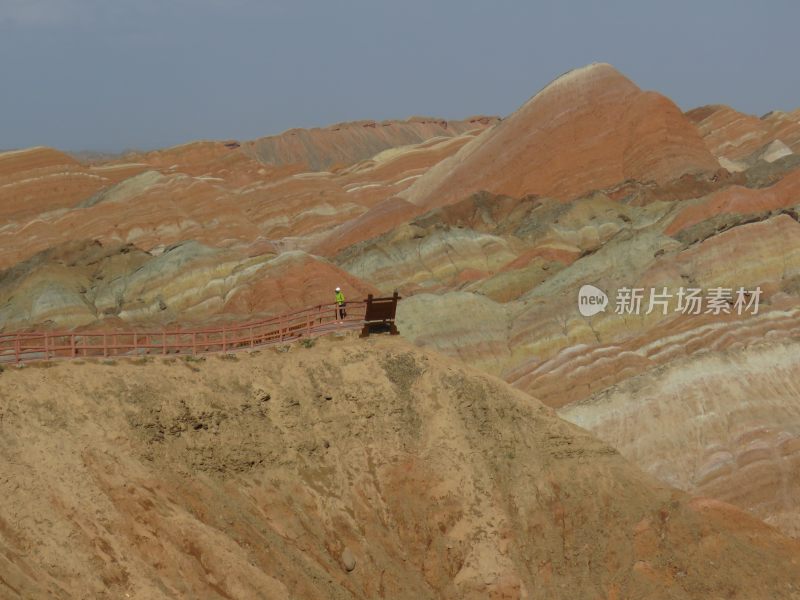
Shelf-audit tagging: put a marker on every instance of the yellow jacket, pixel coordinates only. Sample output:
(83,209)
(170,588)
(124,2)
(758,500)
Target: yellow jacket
(339,298)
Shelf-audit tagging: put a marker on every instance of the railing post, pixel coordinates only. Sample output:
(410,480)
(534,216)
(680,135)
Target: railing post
(72,345)
(105,345)
(395,300)
(46,355)
(135,343)
(164,342)
(224,339)
(17,349)
(367,305)
(194,343)
(252,338)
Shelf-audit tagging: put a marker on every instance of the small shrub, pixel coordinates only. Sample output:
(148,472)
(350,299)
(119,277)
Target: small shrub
(228,357)
(43,364)
(109,363)
(190,361)
(308,342)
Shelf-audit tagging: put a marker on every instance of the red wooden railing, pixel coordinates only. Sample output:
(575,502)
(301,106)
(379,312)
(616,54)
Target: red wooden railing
(50,345)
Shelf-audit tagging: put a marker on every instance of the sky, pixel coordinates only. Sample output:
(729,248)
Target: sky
(109,75)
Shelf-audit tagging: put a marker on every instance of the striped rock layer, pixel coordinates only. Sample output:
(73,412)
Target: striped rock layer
(489,230)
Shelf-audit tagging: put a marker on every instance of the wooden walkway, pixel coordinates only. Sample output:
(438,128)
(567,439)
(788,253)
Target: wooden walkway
(17,348)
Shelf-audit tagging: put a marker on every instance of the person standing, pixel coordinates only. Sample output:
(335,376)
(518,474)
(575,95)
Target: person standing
(341,312)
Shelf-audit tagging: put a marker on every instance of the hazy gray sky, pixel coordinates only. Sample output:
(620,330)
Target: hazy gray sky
(114,74)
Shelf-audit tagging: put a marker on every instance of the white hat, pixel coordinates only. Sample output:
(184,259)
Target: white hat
(338,289)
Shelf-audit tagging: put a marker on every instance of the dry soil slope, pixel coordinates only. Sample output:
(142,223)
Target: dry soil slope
(355,469)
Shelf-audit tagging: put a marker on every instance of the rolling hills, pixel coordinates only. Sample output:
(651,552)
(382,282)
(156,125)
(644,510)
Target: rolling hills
(488,228)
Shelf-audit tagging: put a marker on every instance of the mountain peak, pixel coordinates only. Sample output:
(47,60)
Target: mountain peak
(590,128)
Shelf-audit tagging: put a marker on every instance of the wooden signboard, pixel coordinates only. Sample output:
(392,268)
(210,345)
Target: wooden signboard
(380,315)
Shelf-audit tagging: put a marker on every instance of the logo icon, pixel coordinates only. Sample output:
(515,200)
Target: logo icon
(591,300)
